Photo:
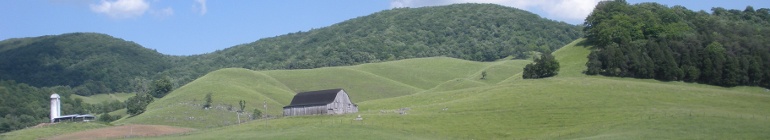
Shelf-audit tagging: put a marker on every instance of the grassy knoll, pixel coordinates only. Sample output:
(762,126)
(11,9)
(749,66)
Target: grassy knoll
(572,59)
(184,106)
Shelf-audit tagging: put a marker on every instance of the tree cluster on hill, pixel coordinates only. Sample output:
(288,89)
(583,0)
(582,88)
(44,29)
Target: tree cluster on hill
(649,40)
(138,104)
(545,66)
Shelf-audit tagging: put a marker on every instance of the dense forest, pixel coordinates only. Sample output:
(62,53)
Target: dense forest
(92,63)
(650,40)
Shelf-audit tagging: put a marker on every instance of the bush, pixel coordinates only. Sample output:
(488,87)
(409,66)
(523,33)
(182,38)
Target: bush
(136,105)
(545,66)
(106,117)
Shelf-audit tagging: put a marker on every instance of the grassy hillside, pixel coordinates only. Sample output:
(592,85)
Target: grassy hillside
(568,106)
(183,107)
(94,63)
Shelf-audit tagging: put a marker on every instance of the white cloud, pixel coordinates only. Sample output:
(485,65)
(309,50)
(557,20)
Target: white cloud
(567,10)
(571,9)
(121,8)
(200,7)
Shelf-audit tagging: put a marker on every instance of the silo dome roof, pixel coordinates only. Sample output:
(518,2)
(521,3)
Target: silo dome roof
(54,95)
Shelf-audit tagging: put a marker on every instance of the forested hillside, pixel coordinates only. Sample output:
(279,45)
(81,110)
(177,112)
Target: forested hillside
(88,62)
(649,40)
(479,32)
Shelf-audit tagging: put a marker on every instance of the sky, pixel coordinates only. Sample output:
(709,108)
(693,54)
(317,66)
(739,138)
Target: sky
(188,27)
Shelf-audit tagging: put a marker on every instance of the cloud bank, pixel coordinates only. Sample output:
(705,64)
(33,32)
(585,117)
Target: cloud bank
(566,10)
(121,8)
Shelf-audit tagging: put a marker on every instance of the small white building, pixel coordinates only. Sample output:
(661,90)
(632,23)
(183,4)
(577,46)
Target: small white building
(332,101)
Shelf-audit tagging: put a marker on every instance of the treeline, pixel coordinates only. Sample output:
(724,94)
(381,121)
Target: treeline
(22,105)
(479,32)
(650,40)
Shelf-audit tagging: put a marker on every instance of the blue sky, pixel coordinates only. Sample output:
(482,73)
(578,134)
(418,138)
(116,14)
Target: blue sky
(186,27)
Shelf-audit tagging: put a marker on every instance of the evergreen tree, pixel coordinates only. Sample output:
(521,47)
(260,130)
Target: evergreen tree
(208,101)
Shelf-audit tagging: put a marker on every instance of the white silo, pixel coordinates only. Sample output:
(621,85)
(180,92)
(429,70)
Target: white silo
(55,106)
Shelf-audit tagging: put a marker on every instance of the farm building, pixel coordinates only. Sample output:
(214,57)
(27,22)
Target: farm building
(75,118)
(56,112)
(332,101)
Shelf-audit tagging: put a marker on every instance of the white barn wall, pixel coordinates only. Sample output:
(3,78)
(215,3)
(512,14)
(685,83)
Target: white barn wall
(340,105)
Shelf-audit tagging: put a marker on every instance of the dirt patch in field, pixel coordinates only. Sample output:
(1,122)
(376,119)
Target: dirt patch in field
(124,131)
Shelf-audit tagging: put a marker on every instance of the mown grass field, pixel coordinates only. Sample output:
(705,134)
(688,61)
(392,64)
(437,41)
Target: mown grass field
(446,98)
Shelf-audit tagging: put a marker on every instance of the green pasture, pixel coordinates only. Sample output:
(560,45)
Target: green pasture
(445,98)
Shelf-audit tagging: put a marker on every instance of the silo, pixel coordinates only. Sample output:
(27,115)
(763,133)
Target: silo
(55,106)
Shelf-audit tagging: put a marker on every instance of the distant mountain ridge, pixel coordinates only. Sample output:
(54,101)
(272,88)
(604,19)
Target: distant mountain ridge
(92,61)
(478,32)
(95,63)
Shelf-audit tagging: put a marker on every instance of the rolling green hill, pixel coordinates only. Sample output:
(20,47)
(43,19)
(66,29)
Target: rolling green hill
(93,63)
(478,32)
(435,97)
(183,107)
(568,106)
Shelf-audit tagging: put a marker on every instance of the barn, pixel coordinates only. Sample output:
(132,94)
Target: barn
(331,101)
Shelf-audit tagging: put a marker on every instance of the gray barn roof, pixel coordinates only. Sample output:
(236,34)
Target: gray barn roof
(321,97)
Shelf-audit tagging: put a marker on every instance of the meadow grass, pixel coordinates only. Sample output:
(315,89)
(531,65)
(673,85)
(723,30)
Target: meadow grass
(556,108)
(444,98)
(50,130)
